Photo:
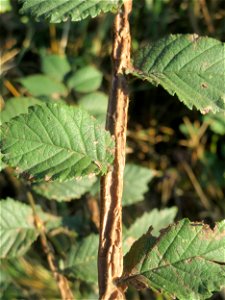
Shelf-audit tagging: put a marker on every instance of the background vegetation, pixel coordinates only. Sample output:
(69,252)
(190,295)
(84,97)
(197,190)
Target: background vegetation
(184,150)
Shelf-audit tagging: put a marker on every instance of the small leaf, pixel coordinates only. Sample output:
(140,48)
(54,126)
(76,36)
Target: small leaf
(186,261)
(56,141)
(55,66)
(157,219)
(187,65)
(136,179)
(216,123)
(96,104)
(61,10)
(5,282)
(16,106)
(85,80)
(17,230)
(41,85)
(2,164)
(64,191)
(82,260)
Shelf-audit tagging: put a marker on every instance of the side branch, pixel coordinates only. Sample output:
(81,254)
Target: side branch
(110,256)
(61,281)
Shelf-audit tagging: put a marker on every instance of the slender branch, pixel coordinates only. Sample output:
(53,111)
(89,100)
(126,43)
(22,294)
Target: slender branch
(207,16)
(204,200)
(61,281)
(110,256)
(11,88)
(64,39)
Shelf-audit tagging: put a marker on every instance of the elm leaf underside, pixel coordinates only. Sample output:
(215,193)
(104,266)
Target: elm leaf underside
(64,191)
(17,230)
(82,260)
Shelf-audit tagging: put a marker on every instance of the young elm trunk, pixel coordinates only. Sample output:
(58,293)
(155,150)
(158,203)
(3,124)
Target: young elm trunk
(110,256)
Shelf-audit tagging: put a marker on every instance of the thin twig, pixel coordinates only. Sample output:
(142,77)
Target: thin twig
(53,39)
(93,208)
(110,256)
(64,39)
(61,281)
(11,88)
(204,200)
(207,16)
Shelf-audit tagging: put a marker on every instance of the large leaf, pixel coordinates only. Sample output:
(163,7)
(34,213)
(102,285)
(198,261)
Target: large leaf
(55,66)
(157,219)
(187,65)
(136,179)
(16,106)
(187,261)
(17,230)
(42,85)
(82,259)
(64,191)
(61,10)
(96,104)
(85,80)
(56,142)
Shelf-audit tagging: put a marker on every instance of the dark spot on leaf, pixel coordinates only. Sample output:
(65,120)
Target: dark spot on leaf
(204,85)
(27,176)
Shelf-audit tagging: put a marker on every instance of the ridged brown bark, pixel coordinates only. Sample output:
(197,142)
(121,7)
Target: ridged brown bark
(110,256)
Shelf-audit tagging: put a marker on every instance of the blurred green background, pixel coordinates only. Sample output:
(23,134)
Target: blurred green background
(185,149)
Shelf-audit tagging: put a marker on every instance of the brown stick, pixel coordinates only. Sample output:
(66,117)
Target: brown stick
(110,256)
(203,198)
(61,281)
(207,16)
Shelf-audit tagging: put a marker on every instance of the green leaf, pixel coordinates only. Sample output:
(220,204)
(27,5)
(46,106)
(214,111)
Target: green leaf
(16,106)
(2,164)
(187,65)
(5,282)
(96,104)
(17,231)
(82,260)
(216,123)
(136,179)
(41,85)
(186,261)
(56,141)
(157,219)
(61,10)
(5,6)
(64,191)
(55,66)
(85,80)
